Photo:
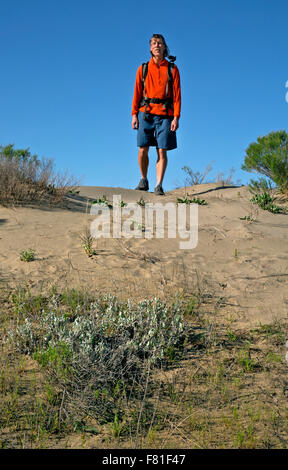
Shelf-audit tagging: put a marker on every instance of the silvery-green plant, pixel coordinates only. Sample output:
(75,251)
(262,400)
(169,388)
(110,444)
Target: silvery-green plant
(151,327)
(108,342)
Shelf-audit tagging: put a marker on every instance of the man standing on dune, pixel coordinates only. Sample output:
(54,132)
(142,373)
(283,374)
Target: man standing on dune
(156,110)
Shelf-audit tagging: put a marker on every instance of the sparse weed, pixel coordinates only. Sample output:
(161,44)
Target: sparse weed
(246,362)
(87,243)
(273,332)
(190,307)
(116,427)
(231,336)
(250,217)
(272,357)
(228,180)
(240,438)
(27,255)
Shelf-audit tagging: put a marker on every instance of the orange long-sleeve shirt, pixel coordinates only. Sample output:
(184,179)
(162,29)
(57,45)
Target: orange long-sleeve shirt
(156,86)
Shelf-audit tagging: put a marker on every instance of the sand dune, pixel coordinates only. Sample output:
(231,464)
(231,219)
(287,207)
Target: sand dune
(252,280)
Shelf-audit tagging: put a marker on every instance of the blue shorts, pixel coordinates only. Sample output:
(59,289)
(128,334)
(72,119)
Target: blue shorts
(156,131)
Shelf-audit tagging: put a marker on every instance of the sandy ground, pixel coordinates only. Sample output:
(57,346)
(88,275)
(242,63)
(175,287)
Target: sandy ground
(251,280)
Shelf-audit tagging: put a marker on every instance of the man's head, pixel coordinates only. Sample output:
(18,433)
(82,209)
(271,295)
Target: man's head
(158,46)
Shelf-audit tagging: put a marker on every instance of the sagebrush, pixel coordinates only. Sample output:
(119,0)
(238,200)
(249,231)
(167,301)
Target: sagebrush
(97,356)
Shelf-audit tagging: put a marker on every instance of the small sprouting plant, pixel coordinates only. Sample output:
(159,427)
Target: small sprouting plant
(248,217)
(273,357)
(73,191)
(122,203)
(246,362)
(141,202)
(191,307)
(240,438)
(27,255)
(87,243)
(232,337)
(236,253)
(195,200)
(139,226)
(116,427)
(184,200)
(273,331)
(102,201)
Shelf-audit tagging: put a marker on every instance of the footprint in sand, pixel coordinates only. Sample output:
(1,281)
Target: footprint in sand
(52,269)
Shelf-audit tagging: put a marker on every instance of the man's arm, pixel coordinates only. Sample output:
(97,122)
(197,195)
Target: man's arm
(175,124)
(176,99)
(136,98)
(135,122)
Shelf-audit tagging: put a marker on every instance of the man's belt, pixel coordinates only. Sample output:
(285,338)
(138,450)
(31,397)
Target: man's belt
(167,102)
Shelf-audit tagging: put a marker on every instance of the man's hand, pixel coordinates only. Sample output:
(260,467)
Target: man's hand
(135,122)
(175,124)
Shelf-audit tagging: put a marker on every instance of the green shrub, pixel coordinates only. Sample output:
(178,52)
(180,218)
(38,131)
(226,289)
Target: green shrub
(265,201)
(269,157)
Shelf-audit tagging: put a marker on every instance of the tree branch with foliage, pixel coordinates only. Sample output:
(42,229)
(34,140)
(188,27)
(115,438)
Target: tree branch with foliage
(269,157)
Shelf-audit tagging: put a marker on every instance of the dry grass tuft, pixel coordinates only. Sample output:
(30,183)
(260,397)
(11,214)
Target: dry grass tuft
(26,178)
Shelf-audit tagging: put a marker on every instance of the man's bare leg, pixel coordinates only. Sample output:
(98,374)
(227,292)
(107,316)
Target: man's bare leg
(161,164)
(143,161)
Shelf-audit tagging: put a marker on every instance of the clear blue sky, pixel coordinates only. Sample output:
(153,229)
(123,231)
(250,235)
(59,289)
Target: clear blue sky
(68,70)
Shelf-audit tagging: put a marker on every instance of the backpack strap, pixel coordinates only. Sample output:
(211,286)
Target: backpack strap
(170,78)
(144,75)
(170,71)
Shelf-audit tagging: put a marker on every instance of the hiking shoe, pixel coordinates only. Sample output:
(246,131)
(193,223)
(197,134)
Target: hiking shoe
(143,185)
(159,190)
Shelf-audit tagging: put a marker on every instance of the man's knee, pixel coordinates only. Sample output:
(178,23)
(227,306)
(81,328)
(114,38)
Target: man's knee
(162,154)
(143,150)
